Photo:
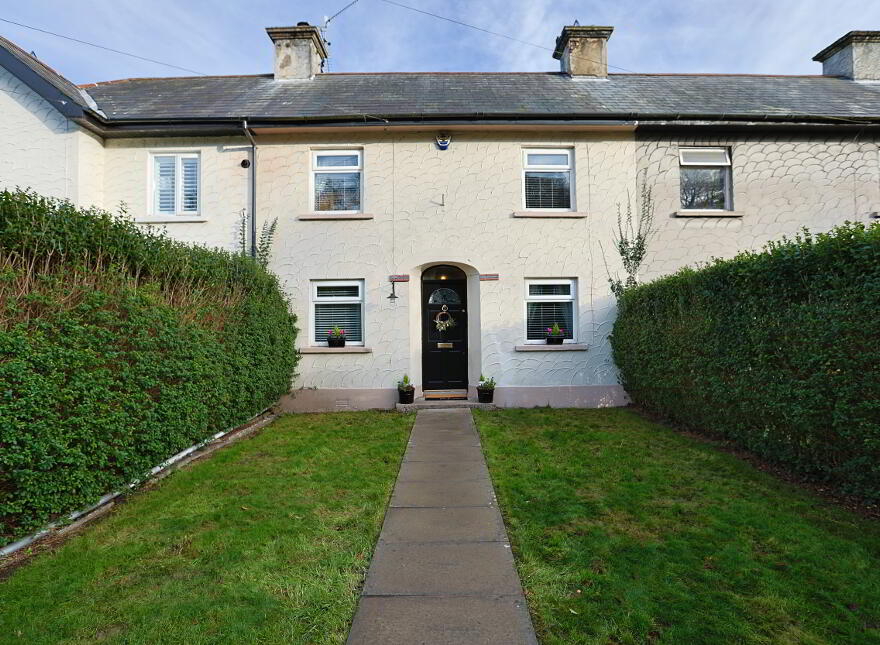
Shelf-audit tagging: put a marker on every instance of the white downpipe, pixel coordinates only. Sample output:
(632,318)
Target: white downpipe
(23,542)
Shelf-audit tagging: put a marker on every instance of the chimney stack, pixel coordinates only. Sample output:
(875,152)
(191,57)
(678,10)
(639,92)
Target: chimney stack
(299,51)
(855,56)
(583,51)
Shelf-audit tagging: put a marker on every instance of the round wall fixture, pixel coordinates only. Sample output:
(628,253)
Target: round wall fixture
(443,140)
(245,163)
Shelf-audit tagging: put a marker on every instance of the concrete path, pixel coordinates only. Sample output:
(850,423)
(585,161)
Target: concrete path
(443,573)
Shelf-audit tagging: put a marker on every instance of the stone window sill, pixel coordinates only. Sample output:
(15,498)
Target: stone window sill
(700,213)
(550,214)
(333,216)
(170,219)
(565,347)
(354,349)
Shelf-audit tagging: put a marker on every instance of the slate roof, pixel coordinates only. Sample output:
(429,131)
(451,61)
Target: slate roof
(483,95)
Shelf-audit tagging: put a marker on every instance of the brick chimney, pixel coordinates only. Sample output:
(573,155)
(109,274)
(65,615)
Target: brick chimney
(583,51)
(299,51)
(855,56)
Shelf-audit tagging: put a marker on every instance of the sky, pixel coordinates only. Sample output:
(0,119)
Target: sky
(688,36)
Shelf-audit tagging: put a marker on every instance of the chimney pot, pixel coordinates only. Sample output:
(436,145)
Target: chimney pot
(583,50)
(300,51)
(855,56)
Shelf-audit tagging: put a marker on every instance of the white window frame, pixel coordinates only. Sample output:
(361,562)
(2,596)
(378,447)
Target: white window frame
(179,155)
(314,299)
(728,193)
(572,297)
(569,168)
(329,152)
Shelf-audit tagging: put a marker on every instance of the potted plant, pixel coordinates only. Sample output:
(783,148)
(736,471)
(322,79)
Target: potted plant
(405,390)
(485,389)
(335,337)
(555,334)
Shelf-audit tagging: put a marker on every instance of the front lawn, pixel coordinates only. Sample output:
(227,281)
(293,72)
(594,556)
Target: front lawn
(267,541)
(628,532)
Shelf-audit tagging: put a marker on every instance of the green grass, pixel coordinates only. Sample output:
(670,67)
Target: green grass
(628,532)
(267,541)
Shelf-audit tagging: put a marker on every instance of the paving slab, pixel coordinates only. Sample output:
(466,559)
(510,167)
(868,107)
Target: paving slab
(442,493)
(440,452)
(412,620)
(442,471)
(475,568)
(443,571)
(456,524)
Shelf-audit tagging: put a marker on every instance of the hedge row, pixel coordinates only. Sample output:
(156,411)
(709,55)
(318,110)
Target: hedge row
(118,349)
(777,350)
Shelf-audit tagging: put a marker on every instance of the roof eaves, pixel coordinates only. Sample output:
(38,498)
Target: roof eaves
(12,58)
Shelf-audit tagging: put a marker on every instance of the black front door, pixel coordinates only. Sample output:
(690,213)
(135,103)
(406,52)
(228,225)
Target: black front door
(444,328)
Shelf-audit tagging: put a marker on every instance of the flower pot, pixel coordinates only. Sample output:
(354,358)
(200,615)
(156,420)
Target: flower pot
(485,395)
(335,341)
(406,396)
(555,340)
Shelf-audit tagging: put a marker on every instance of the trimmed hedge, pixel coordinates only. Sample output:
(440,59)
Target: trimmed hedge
(118,348)
(777,350)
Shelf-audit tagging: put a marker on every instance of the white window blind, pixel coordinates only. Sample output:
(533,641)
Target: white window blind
(337,180)
(176,180)
(705,179)
(164,178)
(547,179)
(338,304)
(549,302)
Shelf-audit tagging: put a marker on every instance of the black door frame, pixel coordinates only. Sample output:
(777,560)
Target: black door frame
(434,358)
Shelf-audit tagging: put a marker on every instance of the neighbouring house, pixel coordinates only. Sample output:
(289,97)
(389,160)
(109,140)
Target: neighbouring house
(487,199)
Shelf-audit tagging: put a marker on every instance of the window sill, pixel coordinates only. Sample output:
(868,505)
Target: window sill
(707,213)
(550,214)
(353,349)
(333,216)
(565,347)
(170,219)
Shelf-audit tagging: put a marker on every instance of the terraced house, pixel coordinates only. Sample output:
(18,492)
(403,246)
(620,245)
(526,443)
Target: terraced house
(408,200)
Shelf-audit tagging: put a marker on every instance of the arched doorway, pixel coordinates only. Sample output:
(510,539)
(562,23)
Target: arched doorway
(444,331)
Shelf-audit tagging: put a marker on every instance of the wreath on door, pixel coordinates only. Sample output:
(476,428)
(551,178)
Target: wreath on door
(444,320)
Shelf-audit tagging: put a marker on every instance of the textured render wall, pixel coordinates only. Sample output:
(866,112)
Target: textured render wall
(224,188)
(433,206)
(88,189)
(35,146)
(780,185)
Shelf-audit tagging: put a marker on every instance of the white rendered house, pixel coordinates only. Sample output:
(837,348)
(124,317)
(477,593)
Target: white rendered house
(488,200)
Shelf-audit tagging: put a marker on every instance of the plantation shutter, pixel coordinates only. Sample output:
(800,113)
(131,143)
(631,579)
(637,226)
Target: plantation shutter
(541,315)
(165,180)
(548,189)
(348,316)
(190,184)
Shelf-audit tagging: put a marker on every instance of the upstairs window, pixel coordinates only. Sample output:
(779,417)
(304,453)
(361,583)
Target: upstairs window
(705,179)
(549,302)
(547,179)
(338,303)
(176,183)
(336,180)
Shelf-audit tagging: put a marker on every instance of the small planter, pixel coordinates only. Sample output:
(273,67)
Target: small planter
(555,340)
(335,341)
(406,396)
(485,395)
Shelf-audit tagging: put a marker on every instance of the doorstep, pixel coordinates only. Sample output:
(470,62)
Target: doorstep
(422,404)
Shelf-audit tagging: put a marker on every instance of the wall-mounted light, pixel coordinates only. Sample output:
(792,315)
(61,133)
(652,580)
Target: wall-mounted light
(393,295)
(443,140)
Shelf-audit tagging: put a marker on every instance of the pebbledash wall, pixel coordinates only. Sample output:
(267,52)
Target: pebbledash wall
(456,206)
(41,150)
(781,184)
